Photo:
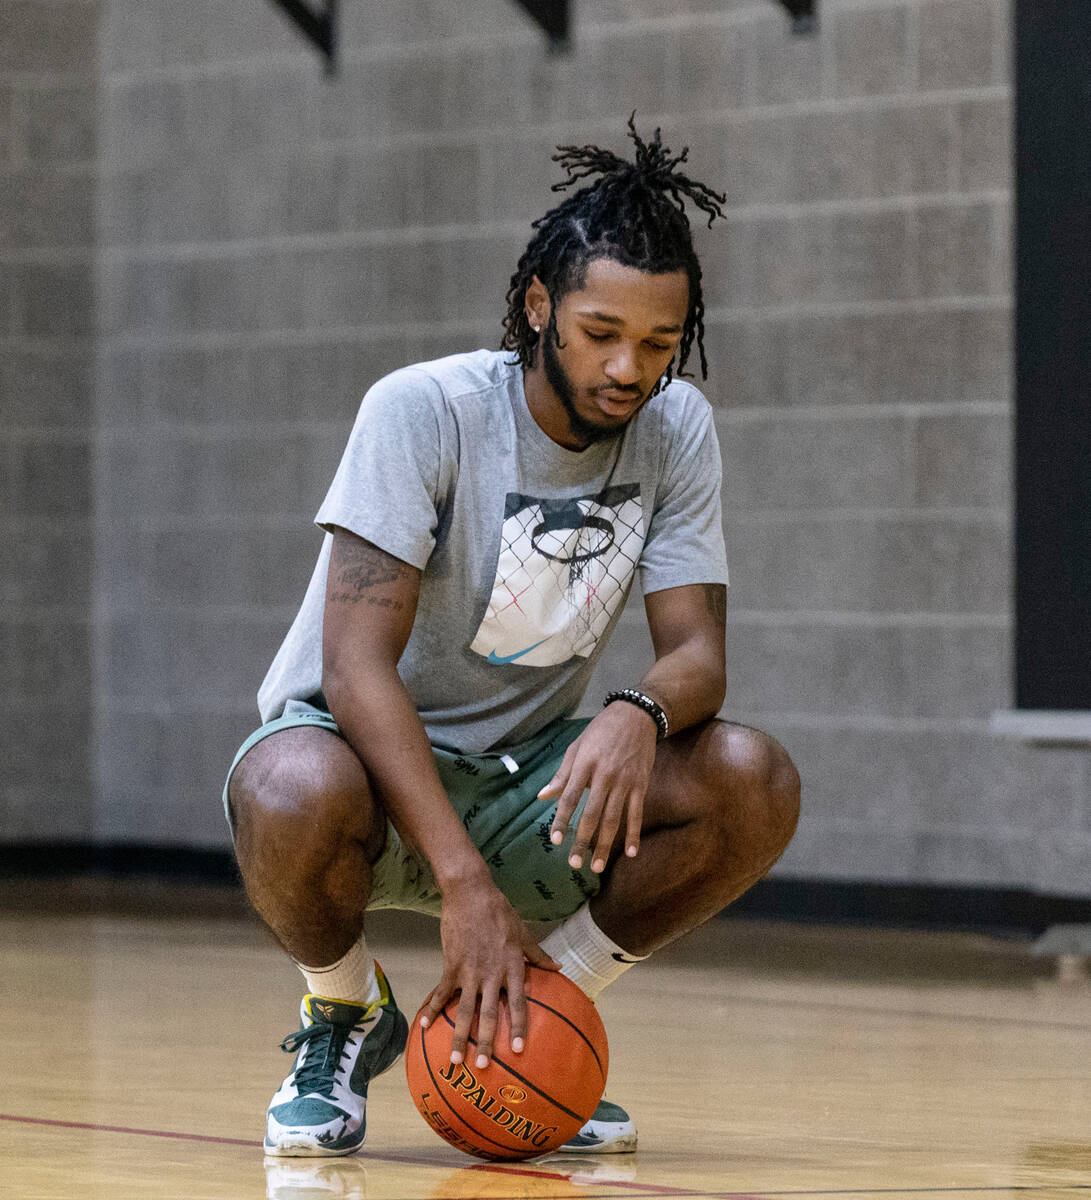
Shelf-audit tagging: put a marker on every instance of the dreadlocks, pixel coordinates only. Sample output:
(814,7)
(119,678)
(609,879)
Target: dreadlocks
(635,214)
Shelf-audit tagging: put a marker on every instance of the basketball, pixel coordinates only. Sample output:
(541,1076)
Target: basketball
(520,1105)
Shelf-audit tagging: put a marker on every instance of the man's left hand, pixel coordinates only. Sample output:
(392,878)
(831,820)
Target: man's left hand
(612,761)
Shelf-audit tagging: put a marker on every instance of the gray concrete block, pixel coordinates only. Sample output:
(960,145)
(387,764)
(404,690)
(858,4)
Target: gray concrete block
(347,286)
(7,299)
(54,300)
(57,122)
(814,463)
(860,358)
(122,552)
(217,114)
(734,364)
(916,148)
(517,175)
(35,813)
(359,98)
(911,565)
(123,387)
(54,37)
(481,88)
(45,476)
(44,565)
(46,386)
(855,776)
(787,260)
(209,32)
(870,50)
(715,62)
(425,346)
(141,122)
(732,258)
(783,69)
(864,153)
(984,364)
(835,155)
(47,751)
(868,256)
(247,567)
(619,72)
(255,474)
(189,659)
(814,667)
(979,781)
(409,185)
(957,44)
(963,461)
(986,144)
(1060,860)
(959,250)
(846,850)
(474,276)
(47,658)
(964,671)
(7,121)
(180,761)
(44,209)
(979,858)
(759,157)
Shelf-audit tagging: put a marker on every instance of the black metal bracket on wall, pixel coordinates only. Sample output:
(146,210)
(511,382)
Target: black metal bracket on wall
(804,14)
(553,17)
(318,24)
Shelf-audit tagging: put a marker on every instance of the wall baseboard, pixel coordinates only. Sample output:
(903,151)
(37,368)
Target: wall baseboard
(1003,912)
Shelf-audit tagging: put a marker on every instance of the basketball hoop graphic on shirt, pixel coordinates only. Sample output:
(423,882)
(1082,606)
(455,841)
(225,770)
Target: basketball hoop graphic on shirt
(564,569)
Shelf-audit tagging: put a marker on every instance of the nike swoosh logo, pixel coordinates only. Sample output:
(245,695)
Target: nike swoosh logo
(622,959)
(506,658)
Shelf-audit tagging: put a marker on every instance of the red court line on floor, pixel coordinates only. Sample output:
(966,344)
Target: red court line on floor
(160,1133)
(622,1185)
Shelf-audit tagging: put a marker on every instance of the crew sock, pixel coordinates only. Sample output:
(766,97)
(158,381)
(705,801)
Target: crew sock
(587,956)
(352,977)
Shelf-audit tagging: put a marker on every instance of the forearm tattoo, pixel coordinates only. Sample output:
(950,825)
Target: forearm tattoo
(356,567)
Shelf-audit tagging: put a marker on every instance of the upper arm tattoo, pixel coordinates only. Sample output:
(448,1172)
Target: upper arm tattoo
(716,600)
(357,566)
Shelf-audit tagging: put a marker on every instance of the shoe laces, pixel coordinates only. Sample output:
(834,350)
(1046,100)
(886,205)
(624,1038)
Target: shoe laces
(325,1041)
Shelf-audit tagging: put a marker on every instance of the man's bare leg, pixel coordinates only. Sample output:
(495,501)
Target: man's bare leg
(721,808)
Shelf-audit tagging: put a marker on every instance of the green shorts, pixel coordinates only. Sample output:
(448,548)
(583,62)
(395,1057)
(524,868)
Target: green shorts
(497,798)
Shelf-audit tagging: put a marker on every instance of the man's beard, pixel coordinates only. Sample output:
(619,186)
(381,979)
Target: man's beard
(583,430)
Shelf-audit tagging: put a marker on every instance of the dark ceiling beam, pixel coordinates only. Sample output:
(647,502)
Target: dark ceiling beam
(317,23)
(804,14)
(553,17)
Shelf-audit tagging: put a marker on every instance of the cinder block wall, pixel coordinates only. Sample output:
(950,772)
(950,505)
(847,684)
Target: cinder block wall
(271,240)
(48,156)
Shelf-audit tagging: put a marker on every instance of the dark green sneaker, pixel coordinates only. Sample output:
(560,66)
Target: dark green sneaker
(320,1108)
(610,1131)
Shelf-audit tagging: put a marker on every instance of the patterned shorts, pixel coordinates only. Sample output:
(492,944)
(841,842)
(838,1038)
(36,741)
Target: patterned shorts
(496,796)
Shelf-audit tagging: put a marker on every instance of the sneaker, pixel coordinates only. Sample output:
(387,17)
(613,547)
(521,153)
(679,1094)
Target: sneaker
(610,1131)
(319,1109)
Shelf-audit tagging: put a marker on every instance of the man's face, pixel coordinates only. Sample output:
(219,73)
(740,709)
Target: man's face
(618,334)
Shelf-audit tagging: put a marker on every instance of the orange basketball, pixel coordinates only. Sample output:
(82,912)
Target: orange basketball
(520,1105)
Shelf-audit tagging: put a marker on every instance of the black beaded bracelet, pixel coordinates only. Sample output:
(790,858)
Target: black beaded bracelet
(655,711)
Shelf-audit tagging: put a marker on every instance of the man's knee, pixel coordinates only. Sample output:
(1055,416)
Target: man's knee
(300,788)
(749,777)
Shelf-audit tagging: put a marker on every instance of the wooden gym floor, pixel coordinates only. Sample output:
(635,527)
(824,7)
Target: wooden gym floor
(140,1047)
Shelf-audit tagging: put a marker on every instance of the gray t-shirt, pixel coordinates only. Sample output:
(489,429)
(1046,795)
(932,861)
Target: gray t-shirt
(527,550)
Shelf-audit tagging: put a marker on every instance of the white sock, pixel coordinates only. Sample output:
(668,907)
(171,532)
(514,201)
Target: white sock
(352,977)
(587,956)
